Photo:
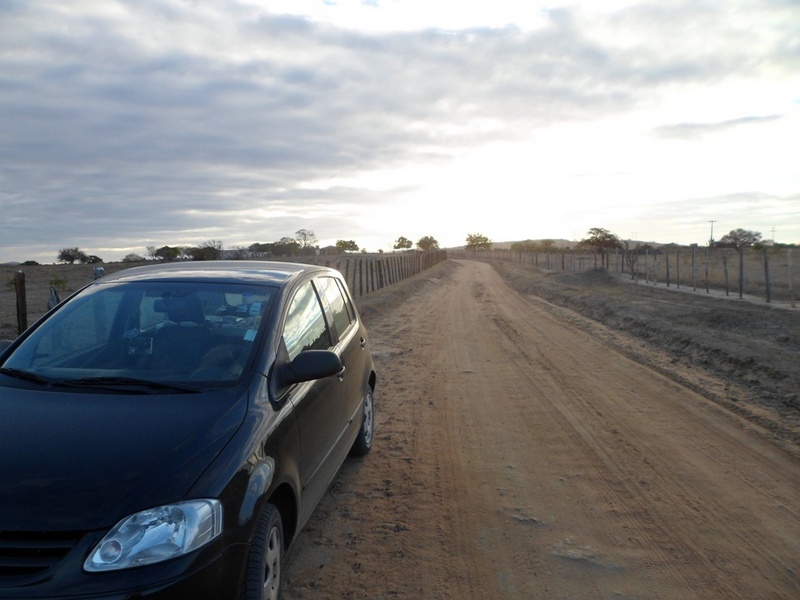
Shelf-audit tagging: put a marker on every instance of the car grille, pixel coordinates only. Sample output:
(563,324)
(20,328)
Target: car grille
(30,553)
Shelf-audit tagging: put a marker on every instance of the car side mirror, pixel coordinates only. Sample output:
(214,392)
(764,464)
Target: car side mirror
(310,365)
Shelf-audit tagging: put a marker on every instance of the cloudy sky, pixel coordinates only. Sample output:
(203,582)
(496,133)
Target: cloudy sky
(134,123)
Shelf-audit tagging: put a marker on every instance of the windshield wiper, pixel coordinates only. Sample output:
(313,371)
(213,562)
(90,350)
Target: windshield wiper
(117,382)
(27,376)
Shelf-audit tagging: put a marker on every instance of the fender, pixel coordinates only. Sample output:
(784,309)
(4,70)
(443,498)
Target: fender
(260,480)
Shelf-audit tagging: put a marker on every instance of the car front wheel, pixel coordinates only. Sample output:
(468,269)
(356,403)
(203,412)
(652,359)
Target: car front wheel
(364,440)
(265,565)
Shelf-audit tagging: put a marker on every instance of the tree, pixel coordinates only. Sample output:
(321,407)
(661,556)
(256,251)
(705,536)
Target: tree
(528,246)
(427,242)
(478,241)
(306,238)
(238,253)
(129,258)
(70,255)
(547,245)
(259,249)
(286,246)
(166,253)
(402,243)
(601,239)
(346,246)
(93,260)
(210,250)
(739,238)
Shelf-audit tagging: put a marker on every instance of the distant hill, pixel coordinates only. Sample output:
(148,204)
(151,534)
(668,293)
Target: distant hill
(507,245)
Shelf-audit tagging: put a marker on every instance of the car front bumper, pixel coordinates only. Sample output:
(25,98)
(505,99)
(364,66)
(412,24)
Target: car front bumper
(219,577)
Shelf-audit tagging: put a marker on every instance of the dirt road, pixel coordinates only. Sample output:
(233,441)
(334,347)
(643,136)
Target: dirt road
(519,456)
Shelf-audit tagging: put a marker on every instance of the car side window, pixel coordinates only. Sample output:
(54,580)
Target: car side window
(347,301)
(305,327)
(342,317)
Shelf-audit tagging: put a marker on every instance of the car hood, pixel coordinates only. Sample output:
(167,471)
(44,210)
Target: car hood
(76,461)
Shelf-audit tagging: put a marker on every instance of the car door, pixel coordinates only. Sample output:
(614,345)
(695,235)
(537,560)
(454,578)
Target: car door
(320,406)
(350,341)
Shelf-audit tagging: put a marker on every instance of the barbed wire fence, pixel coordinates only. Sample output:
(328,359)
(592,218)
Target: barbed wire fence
(24,299)
(768,273)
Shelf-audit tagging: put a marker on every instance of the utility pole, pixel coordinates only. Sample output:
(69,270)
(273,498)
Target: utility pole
(711,239)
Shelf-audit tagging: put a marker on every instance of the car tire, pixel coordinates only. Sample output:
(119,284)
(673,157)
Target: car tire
(265,564)
(363,441)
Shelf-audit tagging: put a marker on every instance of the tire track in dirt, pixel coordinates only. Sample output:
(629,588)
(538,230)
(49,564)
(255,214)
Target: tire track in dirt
(517,456)
(380,534)
(586,406)
(529,383)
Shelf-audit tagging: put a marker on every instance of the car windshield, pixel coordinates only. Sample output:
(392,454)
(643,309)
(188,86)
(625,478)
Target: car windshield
(162,332)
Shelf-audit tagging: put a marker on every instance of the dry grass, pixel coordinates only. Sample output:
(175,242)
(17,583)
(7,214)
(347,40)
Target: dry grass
(709,268)
(697,268)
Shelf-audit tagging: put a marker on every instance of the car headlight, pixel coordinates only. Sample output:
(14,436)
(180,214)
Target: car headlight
(157,534)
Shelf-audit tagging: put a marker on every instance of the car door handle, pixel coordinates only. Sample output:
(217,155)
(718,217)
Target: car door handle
(340,374)
(363,343)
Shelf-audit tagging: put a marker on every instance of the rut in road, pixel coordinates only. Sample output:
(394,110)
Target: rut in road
(518,456)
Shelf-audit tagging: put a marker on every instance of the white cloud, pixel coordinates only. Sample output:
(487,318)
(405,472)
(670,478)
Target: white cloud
(156,122)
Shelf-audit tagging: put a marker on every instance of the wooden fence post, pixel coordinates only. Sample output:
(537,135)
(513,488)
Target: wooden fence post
(725,268)
(766,274)
(655,267)
(791,285)
(22,303)
(741,272)
(631,262)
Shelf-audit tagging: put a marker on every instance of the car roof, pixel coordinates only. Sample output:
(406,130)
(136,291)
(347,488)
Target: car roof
(234,271)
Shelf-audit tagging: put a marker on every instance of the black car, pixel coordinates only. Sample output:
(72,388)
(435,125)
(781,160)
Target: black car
(167,431)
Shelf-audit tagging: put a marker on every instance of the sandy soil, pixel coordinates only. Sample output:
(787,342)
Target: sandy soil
(524,450)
